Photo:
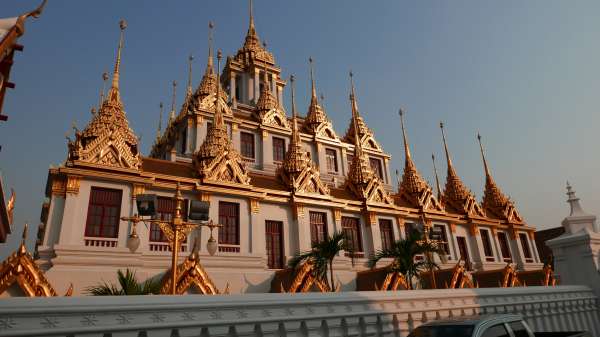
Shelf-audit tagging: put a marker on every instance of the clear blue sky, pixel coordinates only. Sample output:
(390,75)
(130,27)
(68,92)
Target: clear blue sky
(524,74)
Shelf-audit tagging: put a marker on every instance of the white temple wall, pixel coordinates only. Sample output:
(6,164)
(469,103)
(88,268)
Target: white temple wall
(55,215)
(367,313)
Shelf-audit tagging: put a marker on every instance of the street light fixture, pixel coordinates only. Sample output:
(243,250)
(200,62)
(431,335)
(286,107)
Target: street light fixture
(174,229)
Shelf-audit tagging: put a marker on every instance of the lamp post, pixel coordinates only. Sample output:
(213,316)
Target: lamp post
(174,229)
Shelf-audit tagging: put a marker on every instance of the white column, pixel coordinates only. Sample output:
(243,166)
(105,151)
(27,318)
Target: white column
(54,221)
(200,131)
(256,92)
(477,247)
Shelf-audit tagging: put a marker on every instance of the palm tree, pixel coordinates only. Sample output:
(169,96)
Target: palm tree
(403,253)
(128,286)
(322,255)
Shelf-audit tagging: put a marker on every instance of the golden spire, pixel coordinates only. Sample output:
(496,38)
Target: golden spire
(158,132)
(315,117)
(295,159)
(208,83)
(413,187)
(485,166)
(494,201)
(251,29)
(115,81)
(360,169)
(172,112)
(406,148)
(312,81)
(437,180)
(295,133)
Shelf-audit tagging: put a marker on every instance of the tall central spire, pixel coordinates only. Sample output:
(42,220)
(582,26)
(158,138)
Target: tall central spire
(407,158)
(266,100)
(114,96)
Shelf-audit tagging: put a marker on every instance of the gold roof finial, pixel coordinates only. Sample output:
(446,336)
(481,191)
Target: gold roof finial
(158,132)
(449,161)
(295,134)
(437,180)
(219,121)
(189,84)
(115,80)
(485,165)
(23,246)
(103,92)
(406,148)
(266,100)
(172,112)
(354,113)
(265,77)
(251,29)
(312,80)
(209,63)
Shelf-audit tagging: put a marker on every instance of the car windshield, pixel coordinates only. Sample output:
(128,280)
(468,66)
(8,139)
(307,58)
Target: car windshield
(443,331)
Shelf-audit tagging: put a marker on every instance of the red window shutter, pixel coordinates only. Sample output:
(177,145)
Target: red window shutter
(104,211)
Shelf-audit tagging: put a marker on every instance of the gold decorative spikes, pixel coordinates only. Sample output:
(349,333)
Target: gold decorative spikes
(190,273)
(362,181)
(305,279)
(298,171)
(454,278)
(457,197)
(252,49)
(107,140)
(414,189)
(495,203)
(20,268)
(216,160)
(316,122)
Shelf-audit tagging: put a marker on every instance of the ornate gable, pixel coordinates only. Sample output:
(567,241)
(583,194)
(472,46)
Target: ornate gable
(107,140)
(298,172)
(495,203)
(414,189)
(362,181)
(190,273)
(19,268)
(366,136)
(216,160)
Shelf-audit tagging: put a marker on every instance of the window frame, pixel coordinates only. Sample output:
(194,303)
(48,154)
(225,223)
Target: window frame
(377,168)
(387,241)
(282,151)
(356,240)
(504,240)
(88,231)
(329,159)
(274,260)
(484,233)
(224,236)
(315,233)
(527,253)
(244,144)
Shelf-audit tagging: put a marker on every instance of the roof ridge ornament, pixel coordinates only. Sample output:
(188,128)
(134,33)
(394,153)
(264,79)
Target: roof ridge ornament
(359,128)
(208,84)
(495,203)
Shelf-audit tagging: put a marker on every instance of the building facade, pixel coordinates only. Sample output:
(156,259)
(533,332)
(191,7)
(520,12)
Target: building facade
(275,183)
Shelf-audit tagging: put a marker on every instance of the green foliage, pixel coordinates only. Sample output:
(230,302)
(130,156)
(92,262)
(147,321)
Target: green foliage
(322,255)
(128,285)
(403,253)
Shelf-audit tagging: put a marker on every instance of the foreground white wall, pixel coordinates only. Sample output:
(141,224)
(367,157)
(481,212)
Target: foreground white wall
(313,314)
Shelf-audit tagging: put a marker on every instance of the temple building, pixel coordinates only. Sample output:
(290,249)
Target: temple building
(276,183)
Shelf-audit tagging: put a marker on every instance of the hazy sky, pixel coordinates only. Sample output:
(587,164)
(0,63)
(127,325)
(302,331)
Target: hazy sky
(523,73)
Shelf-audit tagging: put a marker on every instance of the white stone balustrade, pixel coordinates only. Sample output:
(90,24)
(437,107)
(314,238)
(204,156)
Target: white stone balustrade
(312,314)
